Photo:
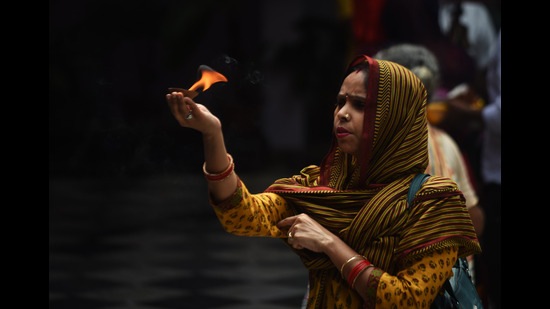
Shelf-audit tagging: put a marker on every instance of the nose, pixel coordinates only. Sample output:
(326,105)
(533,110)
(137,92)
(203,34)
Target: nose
(344,116)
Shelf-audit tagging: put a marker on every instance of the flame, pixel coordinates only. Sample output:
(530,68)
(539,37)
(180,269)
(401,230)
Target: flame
(208,77)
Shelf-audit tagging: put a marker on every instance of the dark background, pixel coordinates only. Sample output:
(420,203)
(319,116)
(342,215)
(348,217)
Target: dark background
(111,63)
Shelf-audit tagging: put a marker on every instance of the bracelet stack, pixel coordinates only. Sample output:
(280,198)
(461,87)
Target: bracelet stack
(348,261)
(221,176)
(356,270)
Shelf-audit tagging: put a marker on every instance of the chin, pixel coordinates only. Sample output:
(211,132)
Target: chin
(347,148)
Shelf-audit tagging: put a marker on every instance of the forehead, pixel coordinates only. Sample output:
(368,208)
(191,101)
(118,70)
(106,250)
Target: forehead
(354,83)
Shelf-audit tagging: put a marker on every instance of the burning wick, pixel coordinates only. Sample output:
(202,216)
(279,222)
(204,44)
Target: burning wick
(208,77)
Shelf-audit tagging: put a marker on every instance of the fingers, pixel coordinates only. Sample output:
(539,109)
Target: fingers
(291,225)
(170,99)
(292,240)
(181,107)
(303,232)
(287,222)
(288,225)
(295,244)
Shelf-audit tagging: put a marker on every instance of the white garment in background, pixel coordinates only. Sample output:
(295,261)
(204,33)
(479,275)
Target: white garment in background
(481,30)
(491,147)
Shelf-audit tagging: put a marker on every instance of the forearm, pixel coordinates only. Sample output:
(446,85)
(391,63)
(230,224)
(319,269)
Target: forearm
(216,161)
(339,253)
(353,267)
(218,169)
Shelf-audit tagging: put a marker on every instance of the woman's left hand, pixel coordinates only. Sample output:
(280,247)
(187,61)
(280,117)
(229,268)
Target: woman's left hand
(304,232)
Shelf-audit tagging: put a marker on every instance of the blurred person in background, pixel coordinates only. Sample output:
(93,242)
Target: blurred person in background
(417,22)
(461,34)
(488,118)
(469,24)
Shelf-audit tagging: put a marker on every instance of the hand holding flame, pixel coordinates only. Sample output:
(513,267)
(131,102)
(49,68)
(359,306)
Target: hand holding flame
(182,106)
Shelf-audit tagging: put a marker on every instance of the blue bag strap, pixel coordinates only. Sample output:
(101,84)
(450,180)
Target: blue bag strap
(416,183)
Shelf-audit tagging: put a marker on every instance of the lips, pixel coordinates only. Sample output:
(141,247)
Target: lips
(341,132)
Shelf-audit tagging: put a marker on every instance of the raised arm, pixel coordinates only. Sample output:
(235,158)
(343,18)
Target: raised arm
(218,164)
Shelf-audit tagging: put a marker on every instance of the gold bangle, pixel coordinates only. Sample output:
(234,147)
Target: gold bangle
(348,261)
(359,274)
(221,176)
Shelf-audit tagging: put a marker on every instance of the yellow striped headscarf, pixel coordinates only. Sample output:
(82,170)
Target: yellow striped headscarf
(395,133)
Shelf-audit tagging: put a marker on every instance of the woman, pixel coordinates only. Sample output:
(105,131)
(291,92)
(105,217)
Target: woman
(348,218)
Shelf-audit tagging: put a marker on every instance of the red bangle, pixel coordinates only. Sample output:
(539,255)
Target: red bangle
(356,270)
(359,273)
(357,256)
(222,175)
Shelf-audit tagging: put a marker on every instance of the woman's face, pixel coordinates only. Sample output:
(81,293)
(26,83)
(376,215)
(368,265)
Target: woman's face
(349,112)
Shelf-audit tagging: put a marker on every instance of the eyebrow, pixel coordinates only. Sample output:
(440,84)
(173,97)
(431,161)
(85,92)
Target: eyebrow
(353,97)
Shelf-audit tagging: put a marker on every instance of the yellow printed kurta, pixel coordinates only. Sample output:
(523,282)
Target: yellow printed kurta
(414,282)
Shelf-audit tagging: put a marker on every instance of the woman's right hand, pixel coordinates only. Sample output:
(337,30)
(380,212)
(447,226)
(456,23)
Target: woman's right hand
(202,119)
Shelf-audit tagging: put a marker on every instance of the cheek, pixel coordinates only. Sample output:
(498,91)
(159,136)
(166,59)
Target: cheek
(358,124)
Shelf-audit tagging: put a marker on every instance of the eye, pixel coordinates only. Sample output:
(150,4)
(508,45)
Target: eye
(340,101)
(358,104)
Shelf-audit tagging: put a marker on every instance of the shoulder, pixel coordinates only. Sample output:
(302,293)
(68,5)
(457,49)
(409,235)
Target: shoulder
(434,187)
(439,181)
(438,196)
(439,185)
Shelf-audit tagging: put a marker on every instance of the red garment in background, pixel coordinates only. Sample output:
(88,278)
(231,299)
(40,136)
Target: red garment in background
(367,25)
